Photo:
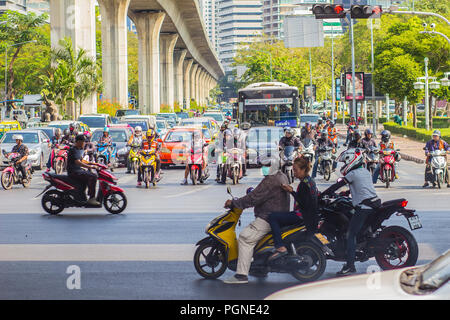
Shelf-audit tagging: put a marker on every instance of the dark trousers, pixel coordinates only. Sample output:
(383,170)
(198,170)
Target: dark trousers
(21,168)
(277,220)
(356,223)
(316,165)
(87,178)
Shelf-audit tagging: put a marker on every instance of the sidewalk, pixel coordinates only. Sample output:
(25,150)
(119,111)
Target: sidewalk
(409,149)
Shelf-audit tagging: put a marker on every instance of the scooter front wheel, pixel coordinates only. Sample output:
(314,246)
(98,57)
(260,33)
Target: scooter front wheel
(210,260)
(7,180)
(115,202)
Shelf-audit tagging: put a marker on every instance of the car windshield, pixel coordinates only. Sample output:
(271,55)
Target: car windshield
(60,126)
(48,132)
(116,135)
(94,122)
(28,137)
(197,123)
(160,125)
(206,133)
(309,118)
(215,116)
(179,136)
(121,113)
(134,124)
(167,116)
(183,115)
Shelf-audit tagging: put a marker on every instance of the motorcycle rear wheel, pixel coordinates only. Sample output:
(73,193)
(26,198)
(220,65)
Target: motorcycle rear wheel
(387,177)
(397,238)
(194,174)
(7,180)
(115,202)
(318,258)
(327,172)
(52,202)
(214,257)
(235,175)
(439,180)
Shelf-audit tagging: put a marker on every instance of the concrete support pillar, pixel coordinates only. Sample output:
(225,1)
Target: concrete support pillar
(78,23)
(148,26)
(197,85)
(114,49)
(205,88)
(166,48)
(178,61)
(187,65)
(193,77)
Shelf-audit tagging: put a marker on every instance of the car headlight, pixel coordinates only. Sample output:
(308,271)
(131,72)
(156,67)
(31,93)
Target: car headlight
(165,150)
(33,151)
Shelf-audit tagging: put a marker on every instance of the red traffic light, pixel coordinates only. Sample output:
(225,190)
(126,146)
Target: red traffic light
(338,9)
(365,11)
(328,11)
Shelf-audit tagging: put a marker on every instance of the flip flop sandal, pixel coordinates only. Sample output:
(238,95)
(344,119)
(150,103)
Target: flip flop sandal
(277,255)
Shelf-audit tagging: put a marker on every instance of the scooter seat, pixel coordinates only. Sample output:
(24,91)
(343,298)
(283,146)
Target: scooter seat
(292,226)
(391,203)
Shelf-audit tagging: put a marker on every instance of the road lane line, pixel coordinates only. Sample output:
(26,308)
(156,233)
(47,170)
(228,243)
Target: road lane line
(188,192)
(97,252)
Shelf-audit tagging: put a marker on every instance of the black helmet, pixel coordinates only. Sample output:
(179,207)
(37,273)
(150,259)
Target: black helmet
(320,121)
(80,137)
(367,132)
(385,135)
(66,132)
(356,135)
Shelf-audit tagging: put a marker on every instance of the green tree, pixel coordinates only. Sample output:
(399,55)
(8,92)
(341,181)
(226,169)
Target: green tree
(19,28)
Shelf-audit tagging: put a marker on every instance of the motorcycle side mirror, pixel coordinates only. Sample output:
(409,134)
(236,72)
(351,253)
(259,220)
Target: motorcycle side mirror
(339,179)
(159,140)
(229,191)
(397,150)
(249,190)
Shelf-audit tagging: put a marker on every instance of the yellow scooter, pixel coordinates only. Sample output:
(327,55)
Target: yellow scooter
(133,157)
(147,166)
(306,260)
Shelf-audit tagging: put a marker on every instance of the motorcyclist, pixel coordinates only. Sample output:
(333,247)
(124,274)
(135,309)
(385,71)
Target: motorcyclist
(351,126)
(67,138)
(106,139)
(224,142)
(198,145)
(266,198)
(73,130)
(89,146)
(239,143)
(75,165)
(386,143)
(368,140)
(289,140)
(23,152)
(150,143)
(307,133)
(55,141)
(321,142)
(305,207)
(332,133)
(319,126)
(135,139)
(364,199)
(436,143)
(356,140)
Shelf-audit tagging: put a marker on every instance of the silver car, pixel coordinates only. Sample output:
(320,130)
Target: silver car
(38,144)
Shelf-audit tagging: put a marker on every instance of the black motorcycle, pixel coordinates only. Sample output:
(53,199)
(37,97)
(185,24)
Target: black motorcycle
(393,247)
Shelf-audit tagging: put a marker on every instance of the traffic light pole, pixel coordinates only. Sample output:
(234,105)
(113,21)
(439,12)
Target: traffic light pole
(374,106)
(353,110)
(333,93)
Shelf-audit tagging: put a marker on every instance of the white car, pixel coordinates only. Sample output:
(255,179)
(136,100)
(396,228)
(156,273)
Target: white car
(428,282)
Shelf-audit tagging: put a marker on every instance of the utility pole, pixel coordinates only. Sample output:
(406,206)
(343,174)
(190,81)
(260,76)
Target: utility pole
(427,107)
(353,110)
(333,93)
(374,106)
(310,84)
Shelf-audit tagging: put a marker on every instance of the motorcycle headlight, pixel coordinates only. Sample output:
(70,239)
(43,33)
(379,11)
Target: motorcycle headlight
(165,150)
(33,152)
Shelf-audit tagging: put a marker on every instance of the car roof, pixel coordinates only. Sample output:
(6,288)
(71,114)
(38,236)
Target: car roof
(95,115)
(184,128)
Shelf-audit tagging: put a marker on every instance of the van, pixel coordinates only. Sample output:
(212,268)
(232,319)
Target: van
(151,120)
(96,121)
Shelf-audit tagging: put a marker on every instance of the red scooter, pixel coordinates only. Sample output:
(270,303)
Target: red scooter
(12,176)
(196,166)
(387,166)
(66,192)
(58,158)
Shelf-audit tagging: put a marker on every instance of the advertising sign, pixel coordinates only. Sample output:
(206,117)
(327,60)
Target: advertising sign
(286,123)
(256,102)
(359,86)
(307,92)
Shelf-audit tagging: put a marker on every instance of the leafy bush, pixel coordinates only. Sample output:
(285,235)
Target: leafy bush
(108,107)
(415,133)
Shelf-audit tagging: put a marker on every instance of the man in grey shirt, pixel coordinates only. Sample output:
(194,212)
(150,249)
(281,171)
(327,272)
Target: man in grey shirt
(364,199)
(267,197)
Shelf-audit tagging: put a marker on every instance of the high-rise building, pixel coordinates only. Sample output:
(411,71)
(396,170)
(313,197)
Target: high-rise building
(239,22)
(273,15)
(24,6)
(208,9)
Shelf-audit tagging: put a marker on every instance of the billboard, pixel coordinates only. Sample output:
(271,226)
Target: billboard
(337,86)
(368,88)
(359,86)
(303,32)
(307,92)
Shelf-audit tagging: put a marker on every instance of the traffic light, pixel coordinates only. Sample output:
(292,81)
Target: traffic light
(328,11)
(365,11)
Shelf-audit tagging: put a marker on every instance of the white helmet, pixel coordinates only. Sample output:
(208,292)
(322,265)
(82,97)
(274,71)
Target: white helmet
(18,137)
(352,158)
(138,130)
(272,162)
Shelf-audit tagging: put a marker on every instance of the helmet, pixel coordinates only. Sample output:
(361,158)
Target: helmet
(323,134)
(72,126)
(290,131)
(87,134)
(385,135)
(437,133)
(150,134)
(367,132)
(331,124)
(271,162)
(66,132)
(352,158)
(224,126)
(286,128)
(320,121)
(106,129)
(18,137)
(138,130)
(58,131)
(356,135)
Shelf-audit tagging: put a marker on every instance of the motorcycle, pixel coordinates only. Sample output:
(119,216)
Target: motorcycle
(305,261)
(393,247)
(59,158)
(195,163)
(325,162)
(12,176)
(287,156)
(103,156)
(387,166)
(133,157)
(438,163)
(89,152)
(235,169)
(307,149)
(66,192)
(371,158)
(147,166)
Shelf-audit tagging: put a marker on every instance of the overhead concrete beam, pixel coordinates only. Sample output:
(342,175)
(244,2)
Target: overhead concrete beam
(148,26)
(114,49)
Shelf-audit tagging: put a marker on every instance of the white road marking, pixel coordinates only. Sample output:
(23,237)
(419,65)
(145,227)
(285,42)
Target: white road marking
(194,190)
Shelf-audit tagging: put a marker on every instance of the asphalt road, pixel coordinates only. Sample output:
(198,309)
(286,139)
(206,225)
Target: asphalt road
(146,252)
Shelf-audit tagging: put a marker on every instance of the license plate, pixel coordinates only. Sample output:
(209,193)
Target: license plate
(322,239)
(414,222)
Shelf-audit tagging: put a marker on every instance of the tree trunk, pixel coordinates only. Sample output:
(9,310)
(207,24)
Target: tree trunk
(9,90)
(414,112)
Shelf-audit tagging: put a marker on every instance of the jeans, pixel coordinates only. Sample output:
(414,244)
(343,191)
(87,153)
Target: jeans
(277,220)
(87,178)
(356,223)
